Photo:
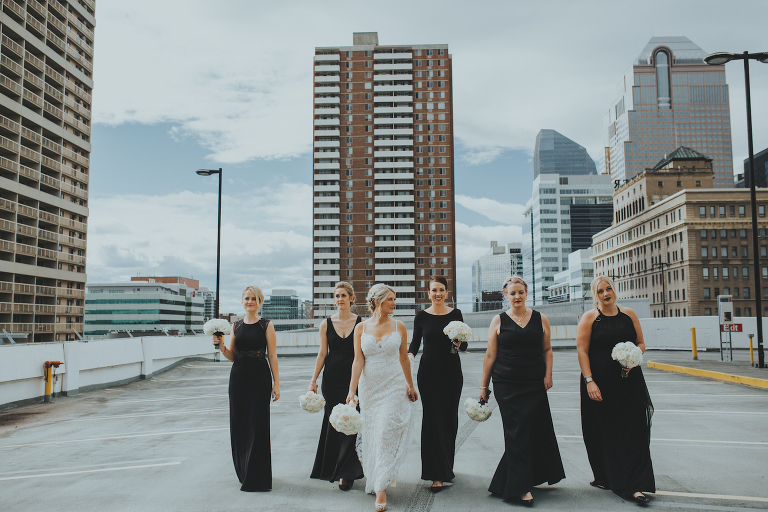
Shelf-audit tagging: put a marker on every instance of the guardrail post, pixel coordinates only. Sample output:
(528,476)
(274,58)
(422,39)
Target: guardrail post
(694,350)
(751,354)
(48,375)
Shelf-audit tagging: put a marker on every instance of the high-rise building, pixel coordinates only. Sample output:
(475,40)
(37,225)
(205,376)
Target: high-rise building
(46,81)
(383,168)
(669,98)
(142,306)
(574,284)
(491,270)
(561,217)
(761,171)
(680,243)
(557,154)
(283,304)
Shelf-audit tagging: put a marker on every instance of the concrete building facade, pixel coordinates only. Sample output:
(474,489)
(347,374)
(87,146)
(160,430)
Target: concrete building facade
(46,82)
(383,169)
(142,306)
(669,98)
(573,285)
(680,242)
(491,270)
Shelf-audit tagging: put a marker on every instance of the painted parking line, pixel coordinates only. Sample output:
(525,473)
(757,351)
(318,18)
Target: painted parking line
(688,441)
(758,499)
(122,416)
(95,468)
(110,438)
(679,411)
(167,399)
(708,395)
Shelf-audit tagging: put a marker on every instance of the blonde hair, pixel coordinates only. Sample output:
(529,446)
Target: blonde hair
(347,287)
(378,292)
(514,280)
(256,291)
(595,283)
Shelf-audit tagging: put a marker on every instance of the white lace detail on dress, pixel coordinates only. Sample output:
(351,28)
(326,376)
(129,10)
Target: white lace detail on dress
(382,444)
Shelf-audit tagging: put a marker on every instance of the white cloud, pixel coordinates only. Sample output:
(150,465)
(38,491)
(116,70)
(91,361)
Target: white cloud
(266,239)
(238,75)
(507,213)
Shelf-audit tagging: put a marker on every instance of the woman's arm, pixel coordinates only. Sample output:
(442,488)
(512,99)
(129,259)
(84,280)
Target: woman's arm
(640,342)
(490,357)
(583,335)
(272,354)
(228,352)
(405,362)
(357,365)
(547,348)
(321,354)
(413,349)
(463,345)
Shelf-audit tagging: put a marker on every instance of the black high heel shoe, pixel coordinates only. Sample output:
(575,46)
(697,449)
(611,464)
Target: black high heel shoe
(641,499)
(347,486)
(597,484)
(528,503)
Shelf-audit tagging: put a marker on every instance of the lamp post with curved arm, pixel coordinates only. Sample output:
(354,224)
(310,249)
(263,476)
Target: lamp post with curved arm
(210,172)
(718,59)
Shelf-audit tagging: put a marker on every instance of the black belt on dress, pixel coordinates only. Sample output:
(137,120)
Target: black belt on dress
(256,354)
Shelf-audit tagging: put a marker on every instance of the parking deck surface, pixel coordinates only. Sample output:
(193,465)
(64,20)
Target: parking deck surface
(163,445)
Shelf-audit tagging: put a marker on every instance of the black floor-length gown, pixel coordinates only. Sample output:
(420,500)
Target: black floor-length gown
(531,456)
(440,381)
(617,431)
(250,394)
(336,456)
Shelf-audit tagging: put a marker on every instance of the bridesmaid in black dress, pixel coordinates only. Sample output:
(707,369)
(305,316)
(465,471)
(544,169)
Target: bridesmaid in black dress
(252,383)
(615,411)
(440,381)
(336,457)
(519,356)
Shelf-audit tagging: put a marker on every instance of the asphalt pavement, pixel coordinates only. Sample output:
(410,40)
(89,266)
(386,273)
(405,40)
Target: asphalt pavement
(163,445)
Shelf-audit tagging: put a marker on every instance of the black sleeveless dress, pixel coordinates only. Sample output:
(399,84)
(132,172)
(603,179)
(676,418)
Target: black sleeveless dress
(531,456)
(440,382)
(336,456)
(617,431)
(250,395)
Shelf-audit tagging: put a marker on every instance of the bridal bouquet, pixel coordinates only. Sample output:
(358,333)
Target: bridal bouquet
(217,327)
(346,419)
(628,355)
(457,331)
(312,402)
(478,411)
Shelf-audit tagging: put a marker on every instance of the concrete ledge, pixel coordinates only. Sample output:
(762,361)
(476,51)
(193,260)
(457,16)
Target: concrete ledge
(726,377)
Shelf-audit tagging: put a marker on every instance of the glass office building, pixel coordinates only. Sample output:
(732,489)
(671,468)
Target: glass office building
(557,154)
(490,271)
(669,98)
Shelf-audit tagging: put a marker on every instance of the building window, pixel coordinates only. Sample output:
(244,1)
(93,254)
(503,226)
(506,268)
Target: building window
(702,211)
(705,272)
(703,234)
(747,311)
(742,211)
(761,210)
(745,294)
(744,251)
(662,80)
(704,252)
(707,311)
(742,233)
(722,211)
(725,272)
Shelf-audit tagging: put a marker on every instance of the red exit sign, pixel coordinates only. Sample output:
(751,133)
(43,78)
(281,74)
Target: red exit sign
(730,328)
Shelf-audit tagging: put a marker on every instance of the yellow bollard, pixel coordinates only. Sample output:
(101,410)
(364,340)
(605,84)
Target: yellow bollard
(751,354)
(48,383)
(693,344)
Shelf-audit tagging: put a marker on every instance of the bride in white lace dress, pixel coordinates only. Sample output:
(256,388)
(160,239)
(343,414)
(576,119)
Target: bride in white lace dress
(382,375)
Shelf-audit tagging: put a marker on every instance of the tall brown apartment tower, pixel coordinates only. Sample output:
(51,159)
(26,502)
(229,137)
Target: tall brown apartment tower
(46,66)
(383,169)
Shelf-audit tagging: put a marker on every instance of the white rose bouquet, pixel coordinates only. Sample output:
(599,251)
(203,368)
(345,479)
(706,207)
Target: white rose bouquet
(217,327)
(478,411)
(457,331)
(628,355)
(312,402)
(346,419)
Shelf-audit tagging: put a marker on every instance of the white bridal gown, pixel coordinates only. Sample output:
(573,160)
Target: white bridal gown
(386,410)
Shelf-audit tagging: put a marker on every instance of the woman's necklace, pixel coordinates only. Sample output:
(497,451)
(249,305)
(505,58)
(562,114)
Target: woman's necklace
(520,321)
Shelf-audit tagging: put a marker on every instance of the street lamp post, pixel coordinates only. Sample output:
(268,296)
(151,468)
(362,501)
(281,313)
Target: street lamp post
(210,172)
(717,59)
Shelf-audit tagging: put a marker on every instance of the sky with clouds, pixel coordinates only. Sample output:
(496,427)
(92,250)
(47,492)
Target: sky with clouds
(181,85)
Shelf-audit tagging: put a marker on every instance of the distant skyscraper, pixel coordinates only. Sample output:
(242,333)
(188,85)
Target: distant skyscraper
(561,216)
(46,82)
(490,271)
(669,98)
(283,304)
(557,154)
(761,170)
(383,169)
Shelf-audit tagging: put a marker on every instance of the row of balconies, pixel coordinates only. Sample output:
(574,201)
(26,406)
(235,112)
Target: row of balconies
(44,142)
(32,289)
(34,213)
(42,178)
(33,252)
(377,254)
(335,57)
(41,327)
(22,229)
(43,309)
